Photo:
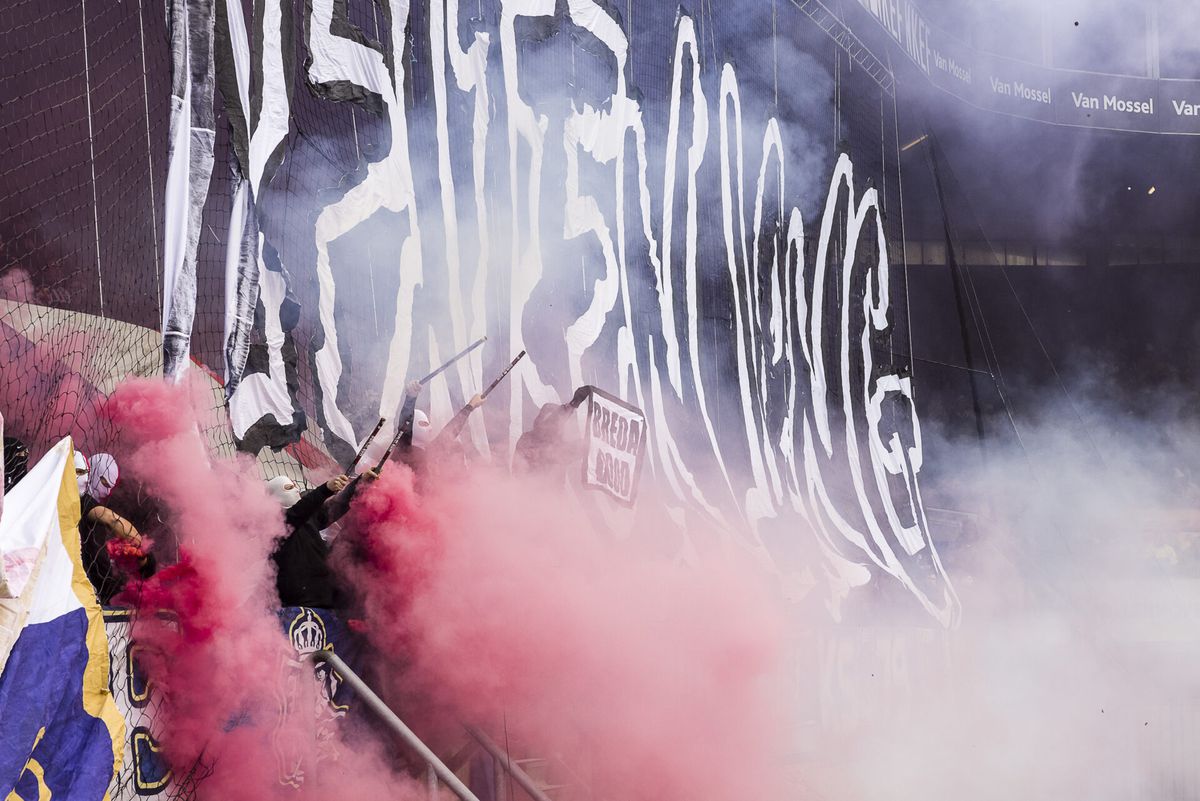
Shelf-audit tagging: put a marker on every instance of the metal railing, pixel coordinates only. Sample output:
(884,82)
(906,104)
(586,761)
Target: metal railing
(505,761)
(436,770)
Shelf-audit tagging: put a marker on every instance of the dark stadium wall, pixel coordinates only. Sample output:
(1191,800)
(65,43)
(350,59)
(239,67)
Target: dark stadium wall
(1074,260)
(1091,353)
(84,100)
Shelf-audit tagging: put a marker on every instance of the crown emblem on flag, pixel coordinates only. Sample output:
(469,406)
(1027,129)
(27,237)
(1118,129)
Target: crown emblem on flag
(307,633)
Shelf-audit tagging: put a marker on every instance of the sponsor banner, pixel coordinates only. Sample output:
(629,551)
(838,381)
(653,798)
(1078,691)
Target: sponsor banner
(907,27)
(1178,106)
(616,441)
(1108,101)
(952,67)
(1033,91)
(1016,88)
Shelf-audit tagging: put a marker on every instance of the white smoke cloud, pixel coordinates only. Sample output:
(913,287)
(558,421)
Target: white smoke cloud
(1072,674)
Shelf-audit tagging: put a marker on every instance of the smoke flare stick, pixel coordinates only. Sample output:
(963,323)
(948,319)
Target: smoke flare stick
(452,360)
(366,444)
(500,377)
(406,426)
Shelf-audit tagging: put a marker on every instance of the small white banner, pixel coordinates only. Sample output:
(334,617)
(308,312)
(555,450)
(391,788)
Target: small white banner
(616,441)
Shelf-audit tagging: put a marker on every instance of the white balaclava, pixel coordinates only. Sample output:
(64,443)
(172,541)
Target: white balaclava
(284,490)
(81,472)
(102,475)
(422,430)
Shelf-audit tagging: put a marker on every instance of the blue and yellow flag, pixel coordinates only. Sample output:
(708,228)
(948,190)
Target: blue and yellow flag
(61,734)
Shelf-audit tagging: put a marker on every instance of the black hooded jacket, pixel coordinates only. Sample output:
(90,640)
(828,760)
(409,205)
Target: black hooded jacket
(302,557)
(107,578)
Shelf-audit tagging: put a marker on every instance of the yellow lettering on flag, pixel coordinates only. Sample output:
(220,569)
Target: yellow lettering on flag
(34,769)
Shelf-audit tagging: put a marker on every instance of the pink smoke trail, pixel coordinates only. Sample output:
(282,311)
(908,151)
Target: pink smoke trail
(491,602)
(218,660)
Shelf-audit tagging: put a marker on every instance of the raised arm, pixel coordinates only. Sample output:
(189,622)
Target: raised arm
(458,421)
(118,525)
(333,511)
(310,503)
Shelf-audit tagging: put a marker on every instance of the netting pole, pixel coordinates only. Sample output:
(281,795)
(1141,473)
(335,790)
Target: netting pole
(912,354)
(150,164)
(775,48)
(87,84)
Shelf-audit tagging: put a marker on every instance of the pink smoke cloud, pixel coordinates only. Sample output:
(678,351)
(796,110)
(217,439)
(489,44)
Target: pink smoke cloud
(219,657)
(493,602)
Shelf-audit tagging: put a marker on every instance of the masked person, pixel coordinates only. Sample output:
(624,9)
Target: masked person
(418,444)
(304,577)
(422,431)
(103,532)
(446,452)
(414,427)
(543,448)
(16,462)
(81,472)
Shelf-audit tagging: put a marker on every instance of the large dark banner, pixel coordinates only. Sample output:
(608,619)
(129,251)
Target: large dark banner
(643,199)
(694,209)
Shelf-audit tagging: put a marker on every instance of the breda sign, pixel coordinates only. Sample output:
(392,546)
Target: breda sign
(616,441)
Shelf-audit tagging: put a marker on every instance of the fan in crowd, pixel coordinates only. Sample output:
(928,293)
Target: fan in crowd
(304,576)
(113,550)
(418,447)
(542,450)
(110,545)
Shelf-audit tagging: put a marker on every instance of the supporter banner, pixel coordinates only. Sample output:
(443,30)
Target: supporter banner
(261,310)
(310,630)
(143,773)
(616,441)
(61,733)
(1047,94)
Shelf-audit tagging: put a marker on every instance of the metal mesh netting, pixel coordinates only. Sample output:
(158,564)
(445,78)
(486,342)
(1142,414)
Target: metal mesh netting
(79,241)
(78,213)
(84,106)
(80,91)
(142,772)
